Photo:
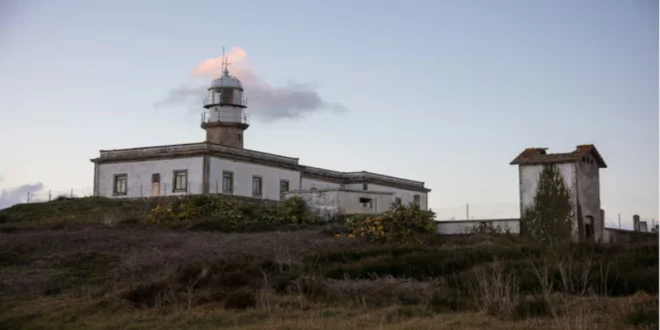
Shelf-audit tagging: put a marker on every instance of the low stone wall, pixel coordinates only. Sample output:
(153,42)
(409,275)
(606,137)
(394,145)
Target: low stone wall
(459,227)
(620,236)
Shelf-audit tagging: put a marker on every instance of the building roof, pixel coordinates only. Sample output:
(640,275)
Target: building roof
(206,148)
(226,81)
(538,156)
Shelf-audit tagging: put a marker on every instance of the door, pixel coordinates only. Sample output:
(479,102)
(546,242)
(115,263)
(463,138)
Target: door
(589,228)
(155,184)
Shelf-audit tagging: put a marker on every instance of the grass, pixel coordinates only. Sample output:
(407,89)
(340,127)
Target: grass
(66,266)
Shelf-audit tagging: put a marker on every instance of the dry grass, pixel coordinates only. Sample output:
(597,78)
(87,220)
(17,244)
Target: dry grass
(95,276)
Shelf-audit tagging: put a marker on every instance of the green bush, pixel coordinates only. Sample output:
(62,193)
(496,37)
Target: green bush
(205,212)
(400,224)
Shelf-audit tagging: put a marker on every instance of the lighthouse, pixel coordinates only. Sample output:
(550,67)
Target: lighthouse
(224,118)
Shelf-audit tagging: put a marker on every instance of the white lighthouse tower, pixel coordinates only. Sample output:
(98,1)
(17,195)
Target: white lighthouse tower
(225,119)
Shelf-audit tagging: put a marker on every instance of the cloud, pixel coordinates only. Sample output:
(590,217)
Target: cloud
(265,102)
(16,195)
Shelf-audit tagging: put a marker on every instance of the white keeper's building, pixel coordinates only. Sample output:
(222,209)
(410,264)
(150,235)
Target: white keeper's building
(221,165)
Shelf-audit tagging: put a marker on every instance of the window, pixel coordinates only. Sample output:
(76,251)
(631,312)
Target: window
(180,181)
(366,202)
(365,186)
(284,187)
(155,178)
(238,136)
(120,185)
(256,186)
(228,182)
(397,200)
(416,199)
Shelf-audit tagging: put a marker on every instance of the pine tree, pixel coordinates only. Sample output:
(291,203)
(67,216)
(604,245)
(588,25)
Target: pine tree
(550,218)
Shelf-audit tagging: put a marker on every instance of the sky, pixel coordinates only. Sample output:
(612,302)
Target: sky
(446,92)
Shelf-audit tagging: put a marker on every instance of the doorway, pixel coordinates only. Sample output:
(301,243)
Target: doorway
(155,184)
(589,228)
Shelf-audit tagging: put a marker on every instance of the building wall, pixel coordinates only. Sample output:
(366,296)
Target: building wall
(407,196)
(467,226)
(139,176)
(529,181)
(588,188)
(323,203)
(243,173)
(619,236)
(349,202)
(309,183)
(328,203)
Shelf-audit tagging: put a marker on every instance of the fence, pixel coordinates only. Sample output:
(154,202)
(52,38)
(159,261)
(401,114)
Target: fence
(270,190)
(478,212)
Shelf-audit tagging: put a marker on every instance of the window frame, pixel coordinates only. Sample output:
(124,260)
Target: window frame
(365,186)
(417,199)
(115,179)
(175,174)
(260,179)
(288,187)
(366,202)
(231,182)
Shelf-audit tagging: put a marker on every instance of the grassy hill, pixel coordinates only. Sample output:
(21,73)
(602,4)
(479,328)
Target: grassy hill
(221,262)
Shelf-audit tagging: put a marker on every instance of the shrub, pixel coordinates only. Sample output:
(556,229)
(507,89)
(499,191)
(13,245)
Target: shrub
(224,213)
(400,224)
(241,299)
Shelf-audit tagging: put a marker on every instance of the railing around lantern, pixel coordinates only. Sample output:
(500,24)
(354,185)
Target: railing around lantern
(217,99)
(225,117)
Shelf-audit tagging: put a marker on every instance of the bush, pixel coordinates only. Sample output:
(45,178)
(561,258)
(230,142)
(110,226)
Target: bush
(241,299)
(223,213)
(400,224)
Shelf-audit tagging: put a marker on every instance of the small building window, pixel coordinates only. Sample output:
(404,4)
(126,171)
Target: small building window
(284,187)
(238,136)
(397,200)
(257,185)
(365,186)
(120,185)
(180,181)
(366,202)
(416,199)
(228,182)
(155,178)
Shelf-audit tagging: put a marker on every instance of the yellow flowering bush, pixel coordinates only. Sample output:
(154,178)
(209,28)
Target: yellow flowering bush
(400,224)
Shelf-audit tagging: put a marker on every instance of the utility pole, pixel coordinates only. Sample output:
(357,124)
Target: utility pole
(619,220)
(467,211)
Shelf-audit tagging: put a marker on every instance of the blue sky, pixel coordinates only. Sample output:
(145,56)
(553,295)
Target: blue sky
(446,92)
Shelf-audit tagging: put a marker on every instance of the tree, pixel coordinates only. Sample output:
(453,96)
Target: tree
(551,216)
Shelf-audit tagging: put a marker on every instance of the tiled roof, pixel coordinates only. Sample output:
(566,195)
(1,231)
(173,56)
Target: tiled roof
(537,156)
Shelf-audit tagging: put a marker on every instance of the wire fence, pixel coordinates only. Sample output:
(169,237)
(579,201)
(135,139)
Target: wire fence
(478,212)
(459,212)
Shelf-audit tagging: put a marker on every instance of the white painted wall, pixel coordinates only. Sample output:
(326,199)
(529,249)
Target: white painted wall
(308,183)
(139,176)
(243,173)
(407,196)
(323,203)
(466,227)
(330,202)
(529,181)
(349,202)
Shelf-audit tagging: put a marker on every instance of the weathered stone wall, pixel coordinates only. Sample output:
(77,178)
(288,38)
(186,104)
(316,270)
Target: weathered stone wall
(226,136)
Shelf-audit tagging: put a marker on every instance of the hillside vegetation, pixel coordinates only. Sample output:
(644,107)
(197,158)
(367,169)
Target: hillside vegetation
(212,262)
